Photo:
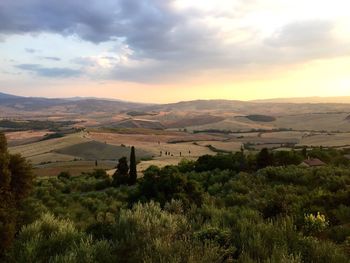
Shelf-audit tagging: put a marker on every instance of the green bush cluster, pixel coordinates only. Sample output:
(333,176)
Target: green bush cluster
(183,213)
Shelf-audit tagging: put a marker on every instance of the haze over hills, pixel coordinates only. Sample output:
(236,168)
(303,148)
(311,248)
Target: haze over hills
(90,104)
(63,105)
(118,113)
(343,99)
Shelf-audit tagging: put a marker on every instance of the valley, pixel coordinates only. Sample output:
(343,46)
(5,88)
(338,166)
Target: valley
(70,135)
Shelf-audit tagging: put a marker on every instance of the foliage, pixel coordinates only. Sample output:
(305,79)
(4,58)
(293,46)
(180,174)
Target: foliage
(167,184)
(65,175)
(16,179)
(52,240)
(121,175)
(315,223)
(216,209)
(261,118)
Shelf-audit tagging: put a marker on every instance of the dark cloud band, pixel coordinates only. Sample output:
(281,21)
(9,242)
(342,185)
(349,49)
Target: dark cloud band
(49,72)
(166,43)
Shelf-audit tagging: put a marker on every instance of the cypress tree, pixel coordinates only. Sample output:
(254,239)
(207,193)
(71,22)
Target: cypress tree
(133,170)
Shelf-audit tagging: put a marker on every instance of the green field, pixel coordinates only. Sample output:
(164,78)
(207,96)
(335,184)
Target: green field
(94,150)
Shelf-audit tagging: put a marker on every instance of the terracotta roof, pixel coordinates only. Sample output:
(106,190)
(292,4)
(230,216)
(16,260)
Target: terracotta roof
(313,162)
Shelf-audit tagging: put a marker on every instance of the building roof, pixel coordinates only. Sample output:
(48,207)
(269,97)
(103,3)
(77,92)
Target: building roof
(313,162)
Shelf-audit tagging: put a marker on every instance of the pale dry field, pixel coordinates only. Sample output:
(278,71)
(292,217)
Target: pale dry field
(25,137)
(149,143)
(284,135)
(318,122)
(234,124)
(152,143)
(230,146)
(300,122)
(335,140)
(43,151)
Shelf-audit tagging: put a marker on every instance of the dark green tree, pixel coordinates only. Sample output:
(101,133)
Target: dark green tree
(121,175)
(304,152)
(5,175)
(16,180)
(264,158)
(133,170)
(7,227)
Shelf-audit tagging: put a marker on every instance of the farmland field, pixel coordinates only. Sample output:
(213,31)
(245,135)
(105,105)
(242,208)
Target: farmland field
(42,148)
(77,152)
(17,138)
(94,150)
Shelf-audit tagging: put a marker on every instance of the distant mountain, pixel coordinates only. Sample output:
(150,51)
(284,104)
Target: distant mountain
(201,105)
(345,99)
(104,109)
(69,105)
(271,108)
(7,96)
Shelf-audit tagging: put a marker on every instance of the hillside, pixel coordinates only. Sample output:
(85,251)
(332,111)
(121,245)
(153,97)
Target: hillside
(344,99)
(66,106)
(32,105)
(139,123)
(192,115)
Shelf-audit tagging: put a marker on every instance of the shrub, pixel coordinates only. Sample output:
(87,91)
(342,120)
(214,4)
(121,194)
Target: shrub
(64,175)
(315,223)
(53,240)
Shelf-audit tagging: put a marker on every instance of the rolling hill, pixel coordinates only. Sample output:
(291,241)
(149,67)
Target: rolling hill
(69,105)
(198,114)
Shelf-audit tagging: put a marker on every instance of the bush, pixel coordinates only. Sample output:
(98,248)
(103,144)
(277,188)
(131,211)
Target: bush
(53,240)
(64,175)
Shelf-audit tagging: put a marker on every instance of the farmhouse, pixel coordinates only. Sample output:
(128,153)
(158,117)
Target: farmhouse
(312,162)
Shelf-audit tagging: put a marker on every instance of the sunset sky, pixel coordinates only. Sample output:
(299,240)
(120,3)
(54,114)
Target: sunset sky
(172,50)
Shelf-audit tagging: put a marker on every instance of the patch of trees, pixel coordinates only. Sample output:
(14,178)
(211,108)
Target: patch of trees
(166,184)
(125,174)
(141,113)
(240,161)
(52,136)
(260,118)
(192,213)
(242,131)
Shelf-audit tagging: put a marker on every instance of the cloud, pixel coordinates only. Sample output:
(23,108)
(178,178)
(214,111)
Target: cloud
(31,50)
(51,58)
(303,34)
(49,72)
(162,42)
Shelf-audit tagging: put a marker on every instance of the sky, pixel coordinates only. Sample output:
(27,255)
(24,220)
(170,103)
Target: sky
(175,50)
